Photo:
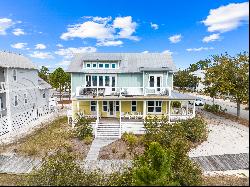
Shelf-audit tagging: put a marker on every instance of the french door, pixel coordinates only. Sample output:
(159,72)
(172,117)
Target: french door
(155,81)
(111,108)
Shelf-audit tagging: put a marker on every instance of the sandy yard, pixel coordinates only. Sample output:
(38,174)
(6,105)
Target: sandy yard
(225,137)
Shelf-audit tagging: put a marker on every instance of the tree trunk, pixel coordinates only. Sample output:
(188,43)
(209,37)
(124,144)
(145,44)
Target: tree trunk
(213,100)
(61,95)
(238,109)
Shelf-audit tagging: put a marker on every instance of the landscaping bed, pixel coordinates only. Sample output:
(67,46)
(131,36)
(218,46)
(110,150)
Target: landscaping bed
(51,137)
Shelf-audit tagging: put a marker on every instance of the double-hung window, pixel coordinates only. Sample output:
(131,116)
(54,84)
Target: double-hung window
(16,101)
(117,106)
(14,75)
(25,99)
(133,106)
(105,106)
(154,106)
(92,106)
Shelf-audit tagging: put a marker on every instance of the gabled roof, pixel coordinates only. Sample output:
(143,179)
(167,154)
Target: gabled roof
(43,84)
(12,60)
(129,62)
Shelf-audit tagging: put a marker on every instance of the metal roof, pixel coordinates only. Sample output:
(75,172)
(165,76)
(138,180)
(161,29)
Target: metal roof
(43,84)
(180,96)
(129,62)
(13,60)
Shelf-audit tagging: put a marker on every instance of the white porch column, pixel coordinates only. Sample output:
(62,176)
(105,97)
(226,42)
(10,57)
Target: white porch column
(144,109)
(194,110)
(187,109)
(8,99)
(78,105)
(169,110)
(120,109)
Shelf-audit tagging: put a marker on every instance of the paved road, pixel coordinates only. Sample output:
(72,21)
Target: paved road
(230,106)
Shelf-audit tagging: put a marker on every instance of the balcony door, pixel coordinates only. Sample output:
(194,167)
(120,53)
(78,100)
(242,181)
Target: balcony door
(155,81)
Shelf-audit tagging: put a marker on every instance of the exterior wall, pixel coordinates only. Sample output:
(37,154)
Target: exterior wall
(170,80)
(130,80)
(84,106)
(24,113)
(78,79)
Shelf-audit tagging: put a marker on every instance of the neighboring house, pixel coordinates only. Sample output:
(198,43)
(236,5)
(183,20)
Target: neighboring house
(24,97)
(200,74)
(120,90)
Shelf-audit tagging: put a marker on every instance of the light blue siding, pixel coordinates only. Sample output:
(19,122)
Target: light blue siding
(78,79)
(170,80)
(129,80)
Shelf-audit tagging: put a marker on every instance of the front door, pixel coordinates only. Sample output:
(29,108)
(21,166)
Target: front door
(111,109)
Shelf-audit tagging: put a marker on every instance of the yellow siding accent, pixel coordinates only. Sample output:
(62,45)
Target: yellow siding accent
(140,106)
(126,106)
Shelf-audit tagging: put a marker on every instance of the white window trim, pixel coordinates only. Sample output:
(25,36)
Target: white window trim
(155,75)
(92,105)
(154,112)
(134,106)
(117,105)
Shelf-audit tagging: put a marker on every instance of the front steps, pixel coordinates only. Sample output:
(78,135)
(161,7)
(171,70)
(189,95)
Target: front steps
(108,130)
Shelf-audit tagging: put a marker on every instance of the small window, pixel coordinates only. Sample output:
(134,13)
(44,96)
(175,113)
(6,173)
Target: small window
(88,65)
(106,65)
(105,106)
(25,99)
(16,100)
(92,106)
(117,106)
(100,65)
(94,65)
(113,65)
(14,75)
(133,106)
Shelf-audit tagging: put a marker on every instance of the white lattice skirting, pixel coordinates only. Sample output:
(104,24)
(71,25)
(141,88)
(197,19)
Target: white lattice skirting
(20,120)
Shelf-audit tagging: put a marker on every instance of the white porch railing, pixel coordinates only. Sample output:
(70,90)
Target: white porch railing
(2,87)
(122,91)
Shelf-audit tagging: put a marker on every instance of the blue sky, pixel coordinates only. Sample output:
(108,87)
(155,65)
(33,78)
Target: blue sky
(49,32)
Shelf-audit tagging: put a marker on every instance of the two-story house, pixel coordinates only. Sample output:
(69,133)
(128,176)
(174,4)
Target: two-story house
(121,89)
(24,97)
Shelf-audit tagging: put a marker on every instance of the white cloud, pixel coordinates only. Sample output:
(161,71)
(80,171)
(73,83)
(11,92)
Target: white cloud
(175,38)
(145,52)
(59,45)
(109,43)
(69,52)
(40,46)
(42,55)
(63,63)
(19,45)
(18,32)
(102,19)
(199,49)
(167,52)
(126,26)
(226,18)
(89,29)
(154,26)
(5,23)
(211,38)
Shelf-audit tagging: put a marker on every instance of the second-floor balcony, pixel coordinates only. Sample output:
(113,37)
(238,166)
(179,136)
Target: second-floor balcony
(82,91)
(2,87)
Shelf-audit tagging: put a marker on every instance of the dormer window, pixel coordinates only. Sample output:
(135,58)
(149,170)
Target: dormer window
(94,65)
(113,66)
(100,65)
(88,65)
(106,65)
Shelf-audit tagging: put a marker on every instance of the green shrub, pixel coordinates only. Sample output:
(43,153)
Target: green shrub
(176,104)
(83,128)
(88,140)
(158,167)
(195,129)
(131,140)
(214,108)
